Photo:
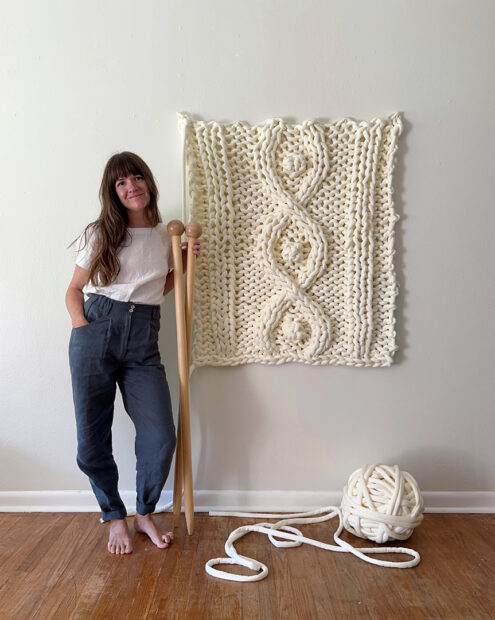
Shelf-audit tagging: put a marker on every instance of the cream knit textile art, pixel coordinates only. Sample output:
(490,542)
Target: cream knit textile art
(297,250)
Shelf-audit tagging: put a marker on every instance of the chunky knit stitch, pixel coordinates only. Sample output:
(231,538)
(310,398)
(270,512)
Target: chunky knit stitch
(297,246)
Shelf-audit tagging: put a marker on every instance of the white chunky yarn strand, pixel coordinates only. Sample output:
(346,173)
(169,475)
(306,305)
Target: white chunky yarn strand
(293,536)
(380,503)
(298,241)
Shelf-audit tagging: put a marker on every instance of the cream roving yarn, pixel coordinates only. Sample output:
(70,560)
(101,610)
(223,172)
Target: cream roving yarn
(381,503)
(298,240)
(379,500)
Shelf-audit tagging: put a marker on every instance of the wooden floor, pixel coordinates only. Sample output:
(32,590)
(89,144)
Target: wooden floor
(55,565)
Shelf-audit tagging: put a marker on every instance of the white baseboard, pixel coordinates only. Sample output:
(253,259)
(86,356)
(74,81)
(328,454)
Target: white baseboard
(243,501)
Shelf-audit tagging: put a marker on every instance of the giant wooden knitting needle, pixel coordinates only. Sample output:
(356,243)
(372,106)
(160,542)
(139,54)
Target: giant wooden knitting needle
(193,232)
(184,330)
(175,229)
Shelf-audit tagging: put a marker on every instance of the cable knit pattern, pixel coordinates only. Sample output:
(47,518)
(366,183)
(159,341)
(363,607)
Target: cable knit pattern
(297,245)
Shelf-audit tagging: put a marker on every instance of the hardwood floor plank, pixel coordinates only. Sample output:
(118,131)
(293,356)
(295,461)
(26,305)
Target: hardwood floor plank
(232,590)
(318,578)
(174,580)
(206,600)
(344,597)
(38,571)
(23,538)
(279,568)
(93,586)
(259,597)
(9,537)
(119,590)
(61,601)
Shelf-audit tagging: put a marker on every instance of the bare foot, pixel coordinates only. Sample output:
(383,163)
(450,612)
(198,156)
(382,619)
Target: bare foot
(145,525)
(119,540)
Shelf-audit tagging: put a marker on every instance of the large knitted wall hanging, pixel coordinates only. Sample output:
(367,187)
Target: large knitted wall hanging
(297,246)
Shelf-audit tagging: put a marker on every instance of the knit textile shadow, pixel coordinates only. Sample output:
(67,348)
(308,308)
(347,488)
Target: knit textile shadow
(298,240)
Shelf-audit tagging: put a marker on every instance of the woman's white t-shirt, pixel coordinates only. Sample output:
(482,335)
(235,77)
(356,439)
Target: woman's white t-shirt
(145,260)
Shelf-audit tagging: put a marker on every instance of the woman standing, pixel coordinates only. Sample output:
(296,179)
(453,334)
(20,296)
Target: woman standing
(123,263)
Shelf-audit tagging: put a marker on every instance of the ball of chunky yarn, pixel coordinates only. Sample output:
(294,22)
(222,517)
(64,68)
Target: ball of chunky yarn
(381,503)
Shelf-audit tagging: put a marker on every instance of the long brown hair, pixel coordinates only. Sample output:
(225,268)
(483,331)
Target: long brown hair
(109,229)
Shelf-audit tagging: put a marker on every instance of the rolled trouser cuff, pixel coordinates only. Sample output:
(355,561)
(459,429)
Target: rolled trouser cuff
(114,514)
(145,509)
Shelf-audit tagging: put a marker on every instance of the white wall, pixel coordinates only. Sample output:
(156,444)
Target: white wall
(83,80)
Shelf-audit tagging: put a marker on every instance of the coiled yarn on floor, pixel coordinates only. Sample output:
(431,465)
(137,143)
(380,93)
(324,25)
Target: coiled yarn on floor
(393,493)
(381,503)
(298,241)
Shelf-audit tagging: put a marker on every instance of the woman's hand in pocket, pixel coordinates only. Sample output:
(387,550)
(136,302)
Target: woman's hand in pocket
(79,323)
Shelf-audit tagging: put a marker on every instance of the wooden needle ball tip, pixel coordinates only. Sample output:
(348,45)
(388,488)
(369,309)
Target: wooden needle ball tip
(193,229)
(175,227)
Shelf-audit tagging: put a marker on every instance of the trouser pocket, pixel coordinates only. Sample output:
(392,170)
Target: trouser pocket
(91,340)
(97,307)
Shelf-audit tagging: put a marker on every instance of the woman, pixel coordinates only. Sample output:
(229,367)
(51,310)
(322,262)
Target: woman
(123,263)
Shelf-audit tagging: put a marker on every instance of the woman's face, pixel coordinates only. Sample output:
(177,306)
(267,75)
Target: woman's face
(133,192)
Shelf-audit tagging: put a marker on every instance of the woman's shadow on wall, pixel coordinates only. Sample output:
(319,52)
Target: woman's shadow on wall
(398,200)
